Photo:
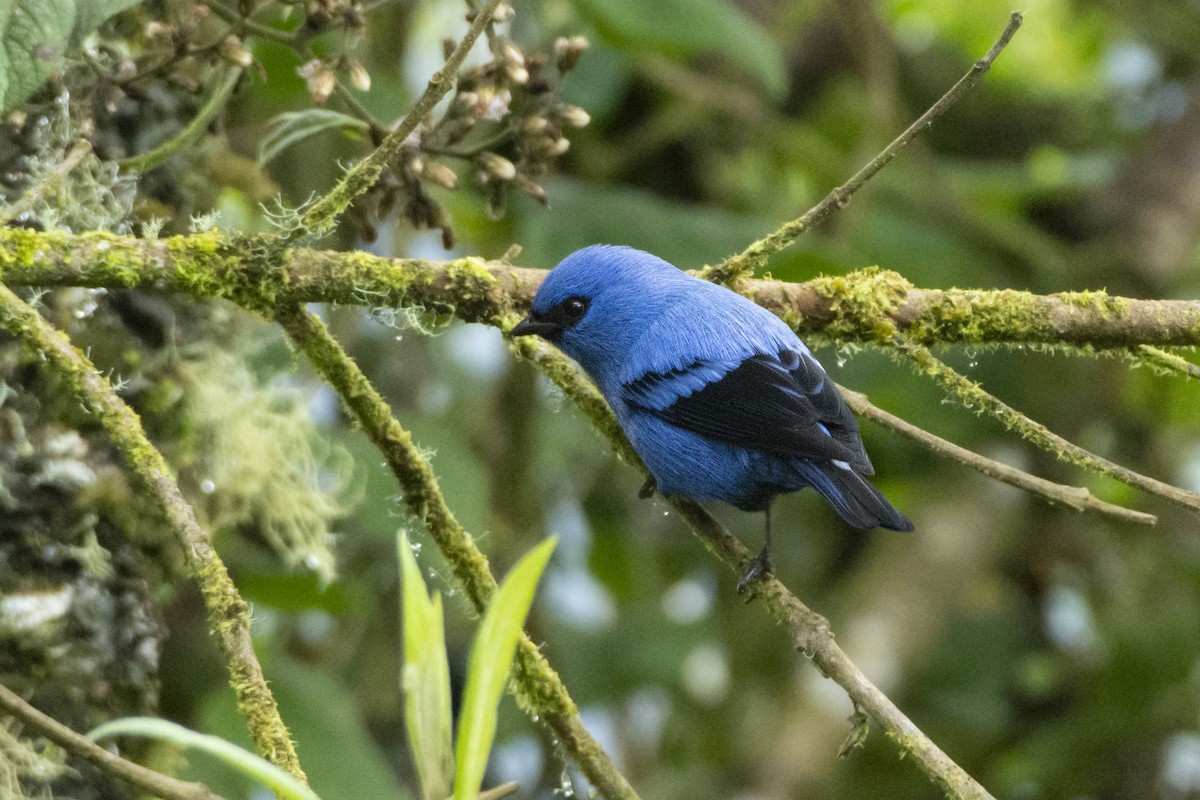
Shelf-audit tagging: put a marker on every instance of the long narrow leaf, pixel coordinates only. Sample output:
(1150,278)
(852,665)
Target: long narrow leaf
(491,658)
(245,762)
(425,679)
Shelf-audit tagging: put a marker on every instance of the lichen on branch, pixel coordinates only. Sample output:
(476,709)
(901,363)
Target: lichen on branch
(867,305)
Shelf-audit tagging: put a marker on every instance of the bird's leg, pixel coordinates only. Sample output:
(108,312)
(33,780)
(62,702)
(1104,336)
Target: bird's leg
(647,490)
(761,566)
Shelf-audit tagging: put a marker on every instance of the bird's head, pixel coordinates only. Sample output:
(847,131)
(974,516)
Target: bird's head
(598,301)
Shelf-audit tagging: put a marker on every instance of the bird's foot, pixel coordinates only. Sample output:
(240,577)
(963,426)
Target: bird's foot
(760,568)
(647,490)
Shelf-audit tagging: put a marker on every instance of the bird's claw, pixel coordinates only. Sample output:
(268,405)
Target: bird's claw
(647,490)
(759,568)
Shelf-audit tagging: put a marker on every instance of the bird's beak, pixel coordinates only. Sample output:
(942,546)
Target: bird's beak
(531,325)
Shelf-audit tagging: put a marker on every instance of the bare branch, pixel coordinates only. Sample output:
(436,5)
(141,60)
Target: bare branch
(147,780)
(732,269)
(1075,497)
(228,614)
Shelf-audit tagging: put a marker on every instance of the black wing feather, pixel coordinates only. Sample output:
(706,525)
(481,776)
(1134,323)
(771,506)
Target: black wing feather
(784,405)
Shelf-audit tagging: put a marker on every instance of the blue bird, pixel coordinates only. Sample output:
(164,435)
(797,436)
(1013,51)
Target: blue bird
(718,396)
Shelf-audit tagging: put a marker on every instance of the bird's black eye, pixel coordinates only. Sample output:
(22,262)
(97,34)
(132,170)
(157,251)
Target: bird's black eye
(573,309)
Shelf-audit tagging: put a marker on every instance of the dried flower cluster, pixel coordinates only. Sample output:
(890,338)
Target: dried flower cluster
(505,121)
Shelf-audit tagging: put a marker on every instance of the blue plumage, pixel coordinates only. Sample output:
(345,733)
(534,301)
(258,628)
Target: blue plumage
(717,395)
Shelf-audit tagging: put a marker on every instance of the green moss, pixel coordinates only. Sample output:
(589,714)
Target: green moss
(863,302)
(975,317)
(537,687)
(1098,301)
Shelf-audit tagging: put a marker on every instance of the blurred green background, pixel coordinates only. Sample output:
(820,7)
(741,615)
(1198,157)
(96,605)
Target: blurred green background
(1052,654)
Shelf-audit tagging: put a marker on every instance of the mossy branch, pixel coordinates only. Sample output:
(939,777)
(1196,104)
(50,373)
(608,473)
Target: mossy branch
(1167,362)
(228,613)
(538,688)
(866,305)
(975,397)
(809,631)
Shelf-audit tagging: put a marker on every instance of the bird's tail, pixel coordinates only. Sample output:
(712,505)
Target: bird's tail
(853,497)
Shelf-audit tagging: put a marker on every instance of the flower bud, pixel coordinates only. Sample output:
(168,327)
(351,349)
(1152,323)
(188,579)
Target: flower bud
(492,104)
(504,13)
(442,175)
(573,116)
(359,77)
(497,166)
(232,50)
(516,72)
(558,146)
(512,52)
(567,51)
(319,78)
(535,125)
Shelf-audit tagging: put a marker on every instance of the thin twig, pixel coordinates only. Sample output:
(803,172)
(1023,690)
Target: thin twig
(537,686)
(973,396)
(1161,359)
(809,631)
(222,88)
(320,217)
(47,184)
(228,613)
(146,780)
(250,26)
(1074,497)
(736,267)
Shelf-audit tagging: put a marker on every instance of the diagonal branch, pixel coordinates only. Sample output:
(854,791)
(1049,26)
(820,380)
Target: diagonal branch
(1074,497)
(809,631)
(972,395)
(733,269)
(536,685)
(78,745)
(228,614)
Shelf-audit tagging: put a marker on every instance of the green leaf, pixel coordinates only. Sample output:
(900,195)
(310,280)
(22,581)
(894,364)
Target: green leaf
(425,679)
(293,126)
(681,28)
(35,36)
(491,658)
(91,14)
(245,762)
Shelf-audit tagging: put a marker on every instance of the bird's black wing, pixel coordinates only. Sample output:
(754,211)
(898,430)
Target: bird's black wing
(782,404)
